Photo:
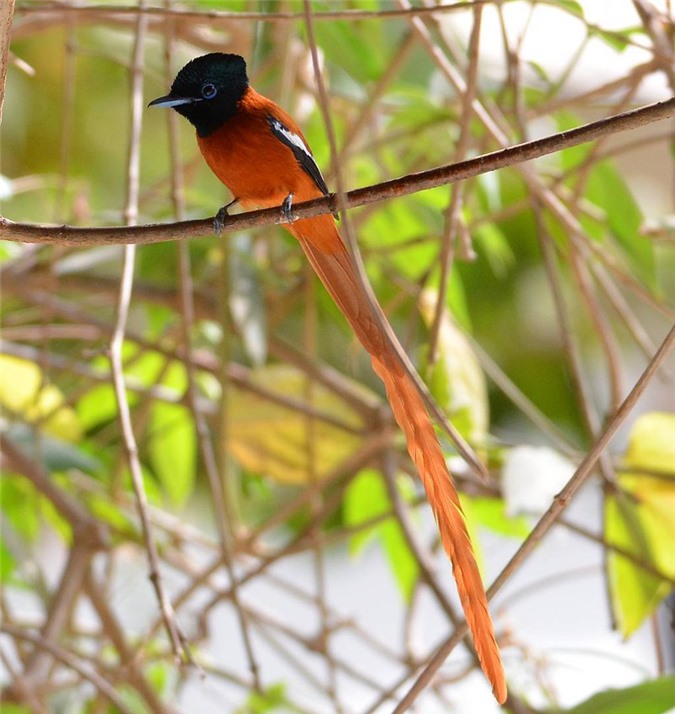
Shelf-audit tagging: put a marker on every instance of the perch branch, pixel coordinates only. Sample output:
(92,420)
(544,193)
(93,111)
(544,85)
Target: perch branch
(394,188)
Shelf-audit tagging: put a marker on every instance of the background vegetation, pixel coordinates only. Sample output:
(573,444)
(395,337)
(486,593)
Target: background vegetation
(225,432)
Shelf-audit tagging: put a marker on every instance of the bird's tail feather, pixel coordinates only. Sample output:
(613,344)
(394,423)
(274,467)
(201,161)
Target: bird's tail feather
(324,248)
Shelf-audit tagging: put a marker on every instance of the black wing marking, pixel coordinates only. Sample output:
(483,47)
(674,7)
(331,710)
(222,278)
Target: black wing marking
(300,150)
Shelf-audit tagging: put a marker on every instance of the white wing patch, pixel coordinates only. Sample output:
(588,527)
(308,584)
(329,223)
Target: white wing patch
(300,150)
(290,136)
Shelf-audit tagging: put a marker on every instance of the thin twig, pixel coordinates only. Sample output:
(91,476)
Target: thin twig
(117,342)
(205,445)
(131,663)
(453,220)
(58,653)
(6,16)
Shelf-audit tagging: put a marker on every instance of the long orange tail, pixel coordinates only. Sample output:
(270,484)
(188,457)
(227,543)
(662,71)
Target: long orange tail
(323,246)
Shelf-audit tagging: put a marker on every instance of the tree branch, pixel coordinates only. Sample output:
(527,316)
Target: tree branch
(395,188)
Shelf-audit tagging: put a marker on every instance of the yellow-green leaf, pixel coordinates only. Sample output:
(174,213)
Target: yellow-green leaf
(278,439)
(7,561)
(641,520)
(25,394)
(172,448)
(651,445)
(491,513)
(98,405)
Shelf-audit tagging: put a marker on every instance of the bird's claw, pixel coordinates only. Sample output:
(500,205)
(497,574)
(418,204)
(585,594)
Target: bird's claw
(287,209)
(220,217)
(219,220)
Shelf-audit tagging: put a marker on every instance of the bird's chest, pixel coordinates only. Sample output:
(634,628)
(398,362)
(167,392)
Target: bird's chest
(258,169)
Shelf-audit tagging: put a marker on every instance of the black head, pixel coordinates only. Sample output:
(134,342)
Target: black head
(207,90)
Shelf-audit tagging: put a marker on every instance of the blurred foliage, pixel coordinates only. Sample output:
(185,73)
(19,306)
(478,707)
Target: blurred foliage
(367,502)
(65,136)
(640,517)
(655,697)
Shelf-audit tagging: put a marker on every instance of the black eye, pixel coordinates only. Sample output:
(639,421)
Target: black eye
(209,91)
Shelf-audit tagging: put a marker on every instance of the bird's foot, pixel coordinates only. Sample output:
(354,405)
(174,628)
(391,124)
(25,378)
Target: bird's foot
(287,209)
(221,216)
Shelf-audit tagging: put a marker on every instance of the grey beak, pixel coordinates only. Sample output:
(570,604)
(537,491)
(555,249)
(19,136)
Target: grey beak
(172,101)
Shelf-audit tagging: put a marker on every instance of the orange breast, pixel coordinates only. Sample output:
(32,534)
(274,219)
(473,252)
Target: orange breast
(258,169)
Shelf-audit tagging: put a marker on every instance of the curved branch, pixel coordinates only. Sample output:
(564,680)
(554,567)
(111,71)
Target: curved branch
(395,188)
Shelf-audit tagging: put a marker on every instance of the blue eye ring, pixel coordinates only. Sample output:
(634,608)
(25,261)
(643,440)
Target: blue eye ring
(209,90)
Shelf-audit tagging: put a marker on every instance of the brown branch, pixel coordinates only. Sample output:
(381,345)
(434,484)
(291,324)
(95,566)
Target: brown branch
(58,613)
(89,536)
(131,665)
(71,661)
(6,15)
(394,188)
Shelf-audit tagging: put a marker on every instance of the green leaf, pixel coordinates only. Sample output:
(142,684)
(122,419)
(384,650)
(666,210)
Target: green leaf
(399,229)
(401,560)
(271,699)
(367,499)
(641,520)
(159,675)
(497,250)
(366,59)
(574,155)
(15,709)
(172,449)
(145,366)
(98,406)
(457,302)
(7,561)
(132,699)
(651,444)
(607,189)
(618,40)
(572,6)
(20,504)
(491,513)
(539,70)
(654,697)
(104,509)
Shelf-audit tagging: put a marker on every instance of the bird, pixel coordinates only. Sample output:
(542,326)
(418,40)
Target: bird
(260,154)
